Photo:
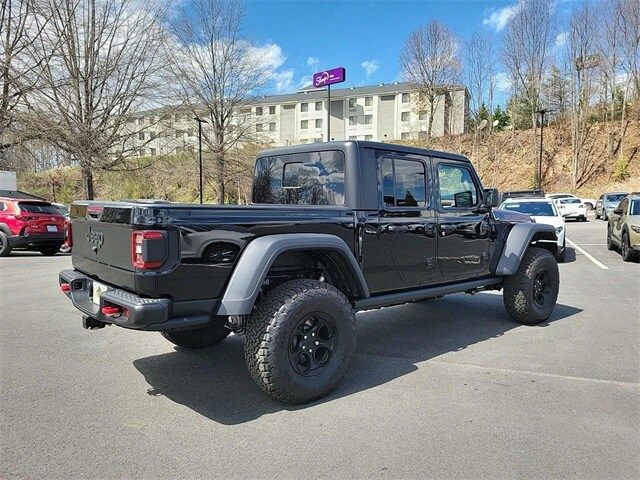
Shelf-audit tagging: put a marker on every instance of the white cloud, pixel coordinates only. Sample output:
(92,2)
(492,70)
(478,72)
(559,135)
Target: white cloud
(370,66)
(498,19)
(284,80)
(313,62)
(561,39)
(503,82)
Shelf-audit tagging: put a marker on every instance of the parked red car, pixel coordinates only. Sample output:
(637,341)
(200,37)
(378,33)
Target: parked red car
(31,225)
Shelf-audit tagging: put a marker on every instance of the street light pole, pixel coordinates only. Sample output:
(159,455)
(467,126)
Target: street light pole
(542,113)
(200,122)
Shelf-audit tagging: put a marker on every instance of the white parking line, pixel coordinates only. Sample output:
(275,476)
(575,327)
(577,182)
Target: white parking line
(588,255)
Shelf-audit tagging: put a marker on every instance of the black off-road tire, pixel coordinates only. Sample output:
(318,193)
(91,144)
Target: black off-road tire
(610,244)
(628,254)
(5,248)
(49,251)
(530,294)
(203,337)
(274,345)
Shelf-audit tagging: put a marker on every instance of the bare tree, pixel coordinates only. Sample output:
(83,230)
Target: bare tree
(105,66)
(583,46)
(217,69)
(430,62)
(628,14)
(19,73)
(480,70)
(526,45)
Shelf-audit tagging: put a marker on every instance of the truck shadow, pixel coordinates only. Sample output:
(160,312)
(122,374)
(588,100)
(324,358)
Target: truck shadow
(215,382)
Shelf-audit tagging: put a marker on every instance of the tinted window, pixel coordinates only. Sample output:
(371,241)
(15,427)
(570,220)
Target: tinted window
(38,208)
(541,209)
(457,189)
(615,198)
(635,208)
(570,200)
(314,178)
(403,182)
(2,207)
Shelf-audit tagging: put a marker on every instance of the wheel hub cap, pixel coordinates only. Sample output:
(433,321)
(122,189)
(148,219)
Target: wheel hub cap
(312,344)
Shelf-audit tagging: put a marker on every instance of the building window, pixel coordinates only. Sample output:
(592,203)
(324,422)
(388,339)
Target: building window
(245,111)
(318,106)
(404,116)
(318,123)
(258,127)
(176,117)
(422,115)
(141,136)
(304,107)
(272,109)
(353,137)
(368,101)
(405,135)
(353,102)
(368,119)
(368,138)
(406,98)
(258,111)
(304,124)
(353,120)
(272,127)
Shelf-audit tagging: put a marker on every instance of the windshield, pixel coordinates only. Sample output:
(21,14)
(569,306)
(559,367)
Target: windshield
(535,209)
(615,198)
(38,207)
(63,209)
(635,208)
(570,200)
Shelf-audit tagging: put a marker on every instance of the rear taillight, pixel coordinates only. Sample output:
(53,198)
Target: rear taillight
(68,237)
(148,248)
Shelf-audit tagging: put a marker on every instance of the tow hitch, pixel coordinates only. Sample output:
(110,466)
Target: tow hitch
(90,323)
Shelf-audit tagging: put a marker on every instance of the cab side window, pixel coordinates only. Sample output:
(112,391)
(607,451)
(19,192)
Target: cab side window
(456,187)
(403,183)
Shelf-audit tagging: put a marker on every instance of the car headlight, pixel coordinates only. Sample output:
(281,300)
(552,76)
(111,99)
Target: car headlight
(635,228)
(559,229)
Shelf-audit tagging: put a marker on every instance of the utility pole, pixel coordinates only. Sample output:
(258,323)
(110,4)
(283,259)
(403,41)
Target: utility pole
(542,113)
(328,113)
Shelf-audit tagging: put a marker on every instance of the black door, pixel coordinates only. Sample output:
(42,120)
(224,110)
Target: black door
(464,241)
(405,226)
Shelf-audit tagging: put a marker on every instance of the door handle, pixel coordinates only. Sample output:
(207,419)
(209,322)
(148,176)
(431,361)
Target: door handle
(397,228)
(447,229)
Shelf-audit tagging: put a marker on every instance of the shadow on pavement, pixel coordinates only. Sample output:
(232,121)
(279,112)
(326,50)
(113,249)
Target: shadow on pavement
(215,382)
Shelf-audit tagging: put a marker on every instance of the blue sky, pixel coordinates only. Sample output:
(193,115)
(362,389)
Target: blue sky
(365,36)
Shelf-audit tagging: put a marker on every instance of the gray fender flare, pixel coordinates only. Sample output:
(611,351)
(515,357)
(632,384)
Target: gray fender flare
(258,256)
(518,241)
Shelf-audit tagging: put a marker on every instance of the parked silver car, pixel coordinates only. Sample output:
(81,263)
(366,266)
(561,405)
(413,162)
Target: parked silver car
(607,203)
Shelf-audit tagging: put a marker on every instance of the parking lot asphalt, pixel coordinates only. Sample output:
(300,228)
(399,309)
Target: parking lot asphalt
(447,388)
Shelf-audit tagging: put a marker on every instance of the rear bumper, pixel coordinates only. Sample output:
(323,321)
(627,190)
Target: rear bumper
(38,240)
(139,313)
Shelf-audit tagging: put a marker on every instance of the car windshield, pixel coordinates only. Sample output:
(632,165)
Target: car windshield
(38,207)
(615,198)
(570,200)
(635,208)
(535,209)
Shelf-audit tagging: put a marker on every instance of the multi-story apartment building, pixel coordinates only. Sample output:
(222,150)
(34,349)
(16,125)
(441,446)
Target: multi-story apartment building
(383,112)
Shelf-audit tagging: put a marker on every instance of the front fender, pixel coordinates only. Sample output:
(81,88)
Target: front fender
(258,256)
(520,237)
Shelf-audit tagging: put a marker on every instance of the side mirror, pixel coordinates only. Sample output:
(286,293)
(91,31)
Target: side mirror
(491,197)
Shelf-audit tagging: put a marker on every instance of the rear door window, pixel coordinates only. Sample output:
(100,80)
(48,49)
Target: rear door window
(403,182)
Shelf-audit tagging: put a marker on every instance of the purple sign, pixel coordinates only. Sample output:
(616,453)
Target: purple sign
(329,77)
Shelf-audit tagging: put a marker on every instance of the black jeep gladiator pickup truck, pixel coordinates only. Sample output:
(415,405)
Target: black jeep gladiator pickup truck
(333,228)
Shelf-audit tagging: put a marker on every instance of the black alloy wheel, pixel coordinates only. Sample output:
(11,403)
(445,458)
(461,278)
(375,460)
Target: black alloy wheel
(312,343)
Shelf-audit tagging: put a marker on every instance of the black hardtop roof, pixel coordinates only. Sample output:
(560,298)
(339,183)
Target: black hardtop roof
(341,145)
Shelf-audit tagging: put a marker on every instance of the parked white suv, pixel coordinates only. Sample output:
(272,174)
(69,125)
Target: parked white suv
(588,202)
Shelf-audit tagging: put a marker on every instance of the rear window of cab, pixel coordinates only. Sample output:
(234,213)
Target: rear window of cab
(38,207)
(308,178)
